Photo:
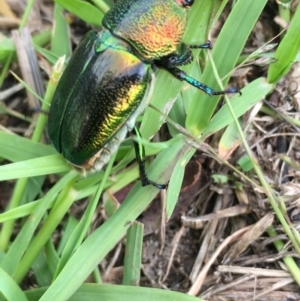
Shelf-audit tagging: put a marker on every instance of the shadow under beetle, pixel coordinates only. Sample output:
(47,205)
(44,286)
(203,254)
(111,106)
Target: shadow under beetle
(108,81)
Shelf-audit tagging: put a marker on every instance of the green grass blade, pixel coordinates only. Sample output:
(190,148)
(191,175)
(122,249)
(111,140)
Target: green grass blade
(175,183)
(15,148)
(60,43)
(41,270)
(34,167)
(51,256)
(252,93)
(61,206)
(84,10)
(20,244)
(7,48)
(82,228)
(9,289)
(94,292)
(284,58)
(18,212)
(133,254)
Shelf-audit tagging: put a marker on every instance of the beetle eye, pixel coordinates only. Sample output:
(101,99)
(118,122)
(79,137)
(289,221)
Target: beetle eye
(186,3)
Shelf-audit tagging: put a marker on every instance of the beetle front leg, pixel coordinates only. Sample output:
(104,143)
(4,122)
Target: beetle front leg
(184,57)
(181,75)
(206,45)
(140,157)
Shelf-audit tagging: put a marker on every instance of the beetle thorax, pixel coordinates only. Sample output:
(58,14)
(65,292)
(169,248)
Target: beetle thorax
(154,28)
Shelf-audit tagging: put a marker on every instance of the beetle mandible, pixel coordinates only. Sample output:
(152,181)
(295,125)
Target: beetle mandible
(108,80)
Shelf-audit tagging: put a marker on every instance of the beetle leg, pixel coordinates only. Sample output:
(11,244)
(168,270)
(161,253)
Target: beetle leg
(182,57)
(206,45)
(181,75)
(140,157)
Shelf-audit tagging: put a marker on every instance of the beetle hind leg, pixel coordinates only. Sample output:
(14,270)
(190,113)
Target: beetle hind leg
(140,157)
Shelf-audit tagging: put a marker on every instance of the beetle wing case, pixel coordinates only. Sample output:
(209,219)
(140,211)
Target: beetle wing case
(102,91)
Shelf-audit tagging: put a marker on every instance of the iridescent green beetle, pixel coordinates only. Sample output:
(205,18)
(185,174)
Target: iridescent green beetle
(108,81)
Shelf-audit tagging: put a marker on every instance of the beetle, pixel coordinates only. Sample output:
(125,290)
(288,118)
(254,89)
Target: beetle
(109,79)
